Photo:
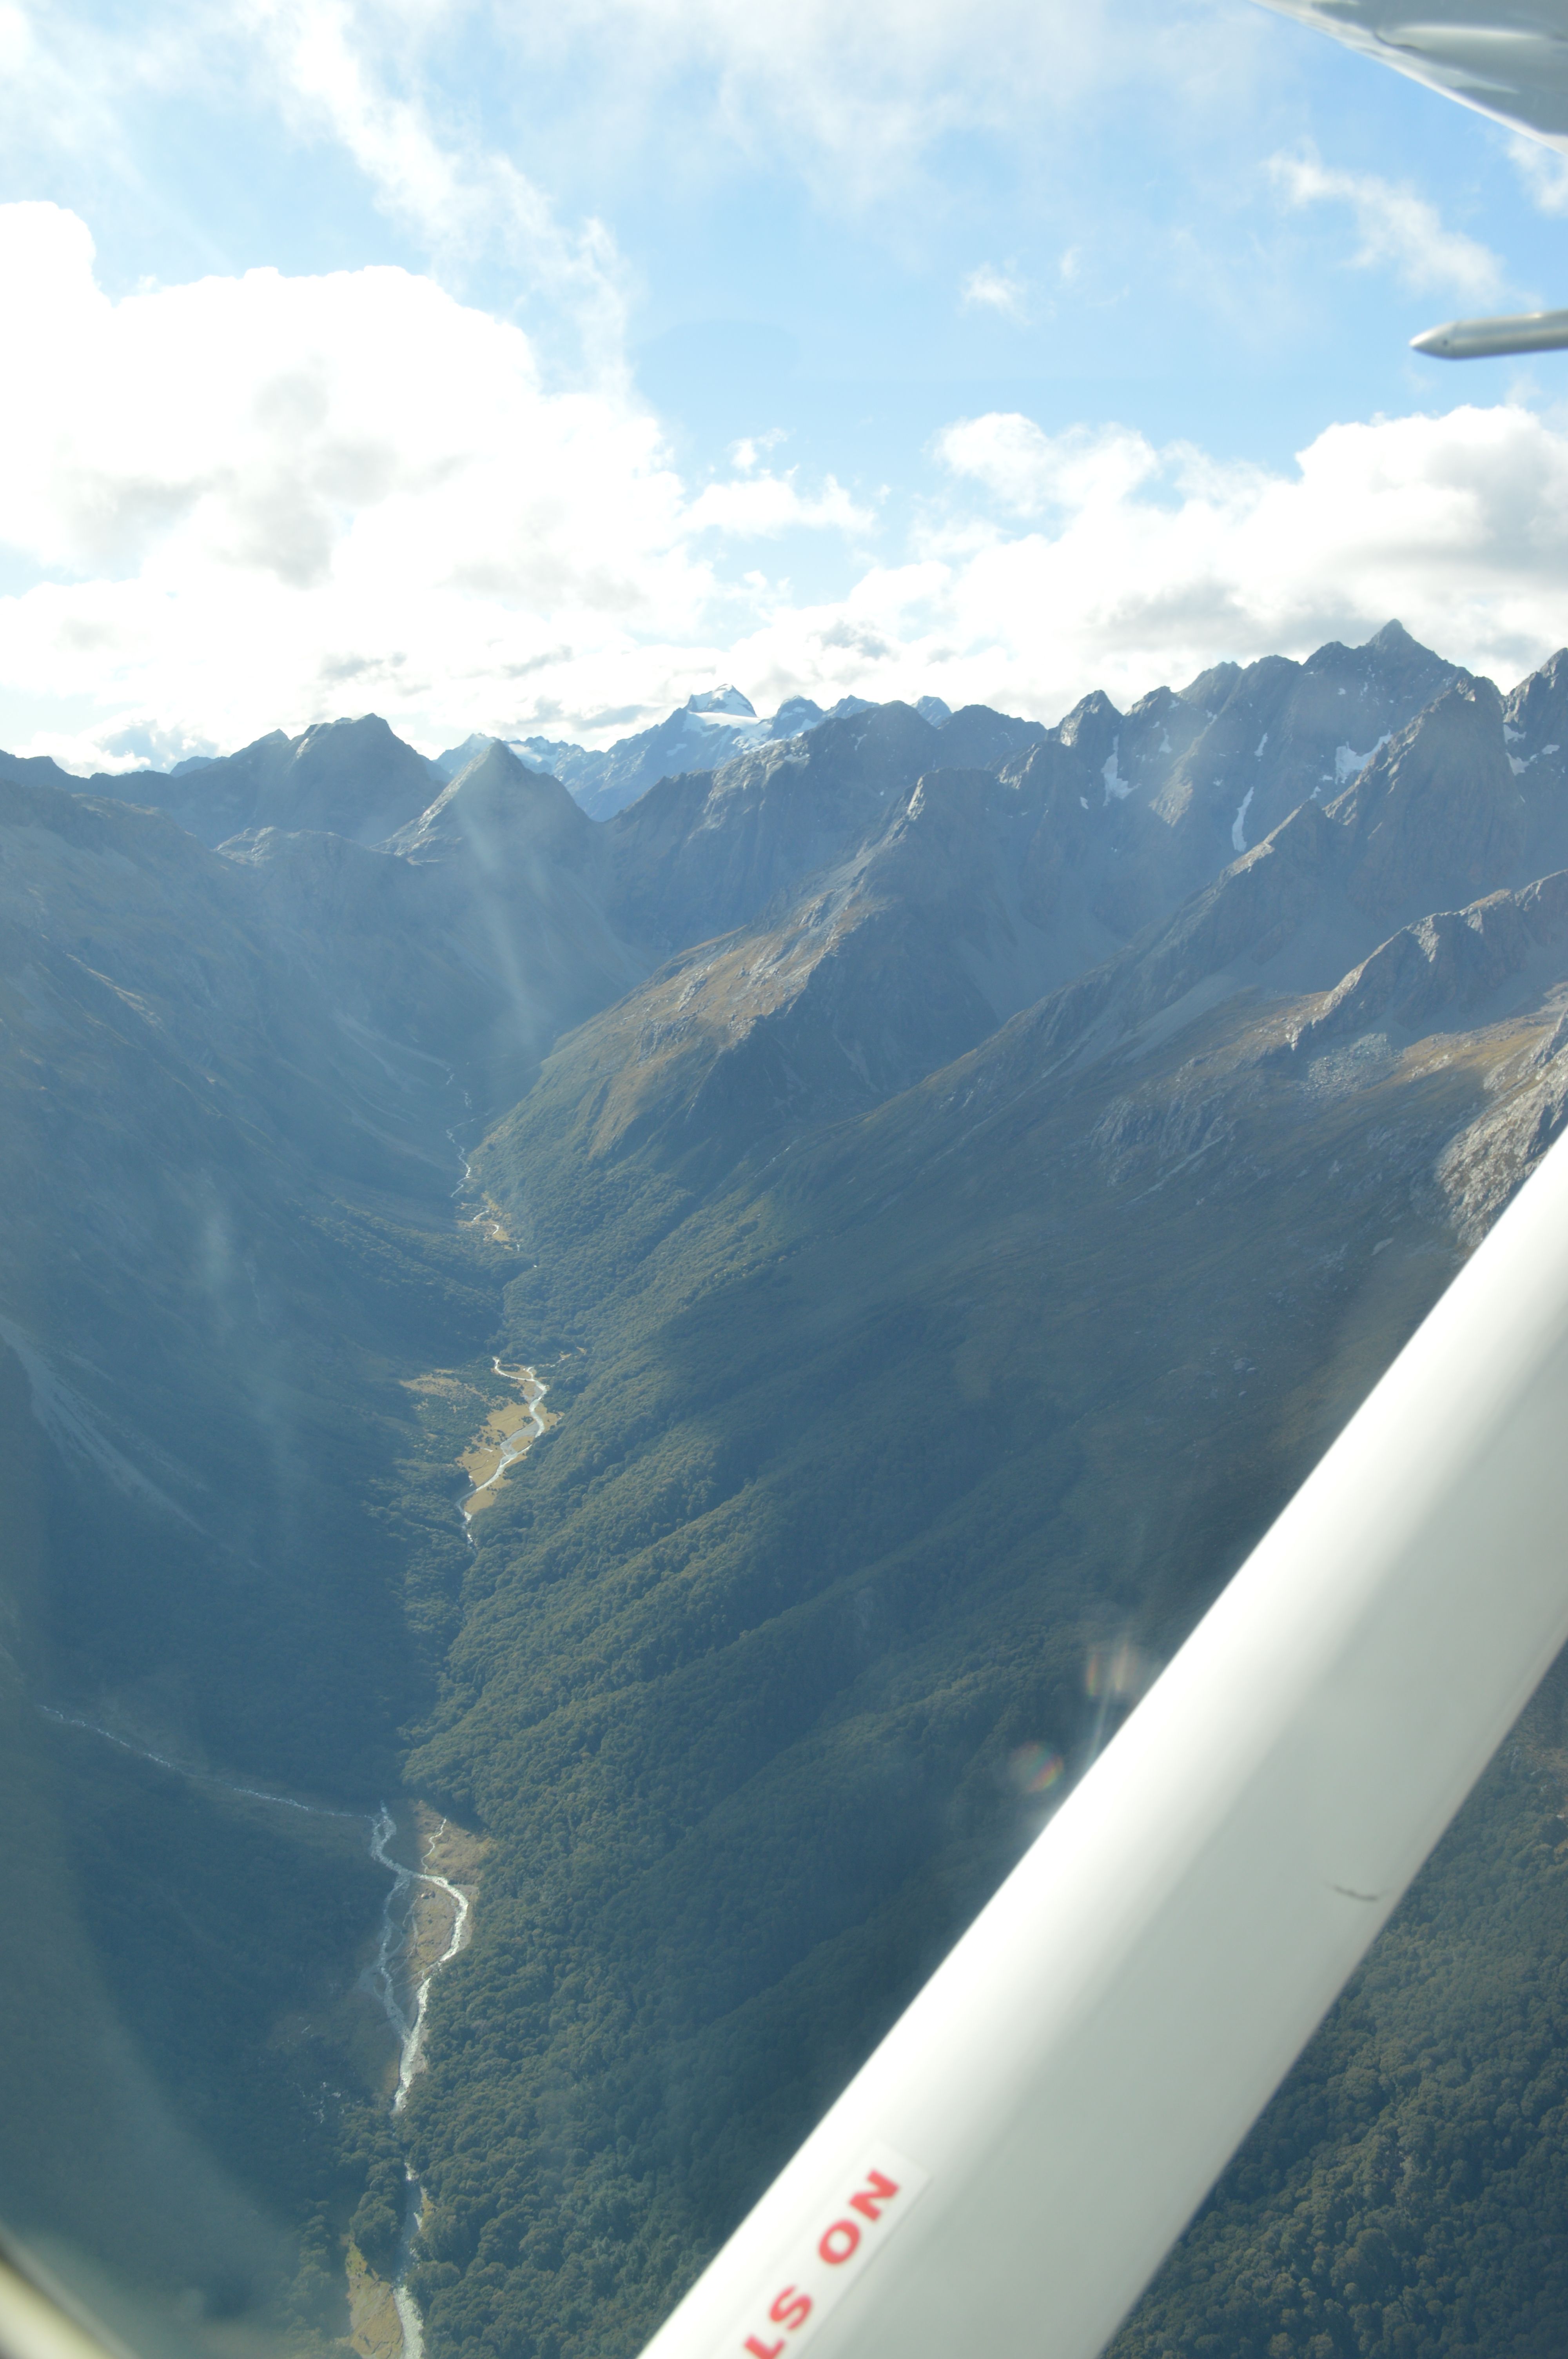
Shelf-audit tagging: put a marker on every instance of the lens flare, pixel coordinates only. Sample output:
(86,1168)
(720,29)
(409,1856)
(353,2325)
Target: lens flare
(1123,1672)
(1035,1768)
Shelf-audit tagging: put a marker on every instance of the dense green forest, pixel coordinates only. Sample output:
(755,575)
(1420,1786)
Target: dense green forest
(843,1501)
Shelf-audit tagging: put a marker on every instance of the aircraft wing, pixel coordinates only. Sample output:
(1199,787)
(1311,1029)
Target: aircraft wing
(1508,58)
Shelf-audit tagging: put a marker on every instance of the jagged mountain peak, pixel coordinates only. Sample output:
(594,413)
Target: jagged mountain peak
(1436,816)
(707,850)
(1211,688)
(1089,721)
(458,758)
(976,734)
(1389,656)
(352,777)
(727,699)
(1535,724)
(795,713)
(496,806)
(361,728)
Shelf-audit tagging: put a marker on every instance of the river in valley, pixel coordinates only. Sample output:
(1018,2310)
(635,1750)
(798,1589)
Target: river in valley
(424,1924)
(426,1916)
(411,1952)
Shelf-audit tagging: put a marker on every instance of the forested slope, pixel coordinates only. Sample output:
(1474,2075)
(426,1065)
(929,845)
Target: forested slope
(869,1451)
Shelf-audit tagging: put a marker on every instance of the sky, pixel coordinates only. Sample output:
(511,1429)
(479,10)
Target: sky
(529,369)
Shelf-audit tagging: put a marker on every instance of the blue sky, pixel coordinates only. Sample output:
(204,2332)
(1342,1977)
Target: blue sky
(509,368)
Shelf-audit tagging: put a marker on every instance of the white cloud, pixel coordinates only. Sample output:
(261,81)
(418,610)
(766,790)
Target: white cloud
(1150,566)
(1544,171)
(463,202)
(858,101)
(988,288)
(264,499)
(1398,230)
(752,449)
(351,75)
(768,504)
(1029,471)
(1155,564)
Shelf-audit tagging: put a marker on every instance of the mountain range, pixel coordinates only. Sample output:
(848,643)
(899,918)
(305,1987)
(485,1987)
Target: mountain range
(956,1175)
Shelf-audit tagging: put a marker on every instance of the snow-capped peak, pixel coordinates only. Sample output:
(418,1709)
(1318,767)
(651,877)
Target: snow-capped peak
(722,700)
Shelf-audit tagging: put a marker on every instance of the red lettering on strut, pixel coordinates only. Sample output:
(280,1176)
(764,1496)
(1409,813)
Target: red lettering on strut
(869,2200)
(764,2350)
(838,2242)
(790,2310)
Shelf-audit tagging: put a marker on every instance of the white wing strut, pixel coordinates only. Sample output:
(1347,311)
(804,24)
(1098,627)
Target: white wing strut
(1008,2170)
(1473,340)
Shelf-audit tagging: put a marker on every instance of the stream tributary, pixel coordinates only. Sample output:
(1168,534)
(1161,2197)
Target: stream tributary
(399,1979)
(416,1940)
(410,1951)
(507,1436)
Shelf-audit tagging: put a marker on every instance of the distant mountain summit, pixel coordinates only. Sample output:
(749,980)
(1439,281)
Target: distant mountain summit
(708,729)
(722,700)
(353,779)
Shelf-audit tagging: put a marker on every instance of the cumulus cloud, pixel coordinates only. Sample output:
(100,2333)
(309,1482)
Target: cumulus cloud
(763,504)
(1398,230)
(1028,469)
(265,498)
(261,501)
(1150,565)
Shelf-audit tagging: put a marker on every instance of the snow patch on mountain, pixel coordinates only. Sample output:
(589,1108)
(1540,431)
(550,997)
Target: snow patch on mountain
(1239,825)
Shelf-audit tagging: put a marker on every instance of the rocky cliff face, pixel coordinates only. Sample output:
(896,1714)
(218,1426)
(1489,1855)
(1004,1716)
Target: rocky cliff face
(863,925)
(702,854)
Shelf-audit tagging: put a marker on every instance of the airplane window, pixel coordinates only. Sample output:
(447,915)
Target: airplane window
(784,1004)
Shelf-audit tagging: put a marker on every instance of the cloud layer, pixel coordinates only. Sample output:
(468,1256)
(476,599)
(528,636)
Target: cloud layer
(264,500)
